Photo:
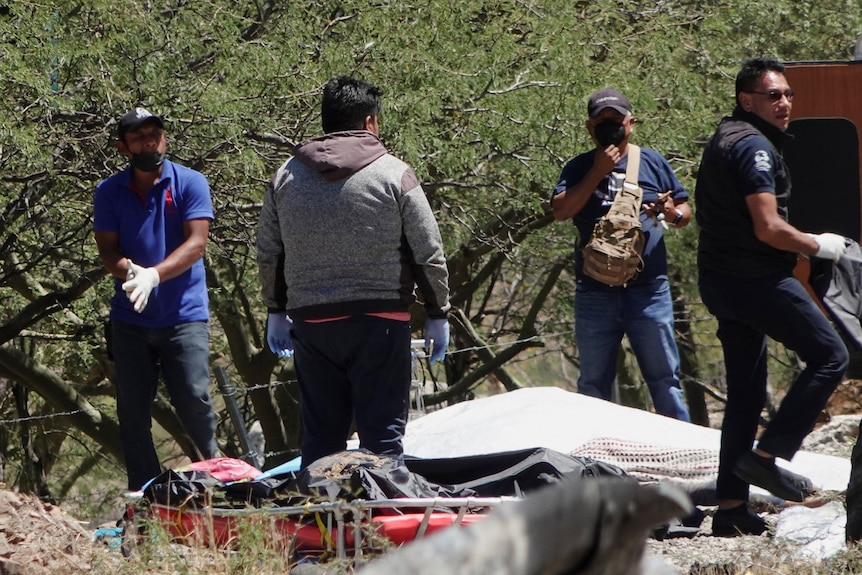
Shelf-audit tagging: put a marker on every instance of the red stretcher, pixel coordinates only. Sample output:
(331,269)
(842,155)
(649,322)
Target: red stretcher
(341,528)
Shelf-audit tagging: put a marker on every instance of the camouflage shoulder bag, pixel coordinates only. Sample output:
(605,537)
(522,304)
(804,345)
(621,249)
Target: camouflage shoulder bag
(614,254)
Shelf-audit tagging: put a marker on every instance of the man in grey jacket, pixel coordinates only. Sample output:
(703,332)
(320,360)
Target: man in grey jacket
(346,235)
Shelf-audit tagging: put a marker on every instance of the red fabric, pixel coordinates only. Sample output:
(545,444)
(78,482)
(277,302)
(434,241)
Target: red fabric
(225,469)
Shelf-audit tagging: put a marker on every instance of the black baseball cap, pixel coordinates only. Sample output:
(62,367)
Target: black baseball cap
(608,98)
(133,119)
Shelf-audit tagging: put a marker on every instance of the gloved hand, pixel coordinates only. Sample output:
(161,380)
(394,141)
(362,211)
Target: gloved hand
(830,246)
(140,285)
(130,275)
(438,331)
(278,334)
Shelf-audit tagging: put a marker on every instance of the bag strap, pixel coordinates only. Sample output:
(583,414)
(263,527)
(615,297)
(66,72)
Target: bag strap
(629,198)
(632,169)
(633,165)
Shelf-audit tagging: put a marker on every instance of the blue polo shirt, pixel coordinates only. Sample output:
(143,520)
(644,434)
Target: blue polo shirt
(150,227)
(655,177)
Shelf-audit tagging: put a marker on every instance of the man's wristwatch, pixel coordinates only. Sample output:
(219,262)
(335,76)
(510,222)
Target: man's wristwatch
(677,218)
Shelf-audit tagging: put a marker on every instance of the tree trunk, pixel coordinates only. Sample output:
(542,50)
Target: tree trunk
(33,478)
(630,390)
(689,366)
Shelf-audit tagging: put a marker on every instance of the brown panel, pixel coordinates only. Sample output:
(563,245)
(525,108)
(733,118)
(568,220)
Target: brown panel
(828,90)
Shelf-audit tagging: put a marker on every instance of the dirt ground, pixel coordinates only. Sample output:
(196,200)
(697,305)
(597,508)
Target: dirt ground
(38,538)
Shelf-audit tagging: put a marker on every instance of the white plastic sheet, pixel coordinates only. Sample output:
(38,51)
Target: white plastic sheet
(819,531)
(561,420)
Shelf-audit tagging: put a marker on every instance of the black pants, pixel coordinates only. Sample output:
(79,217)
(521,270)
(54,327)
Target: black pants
(748,311)
(353,369)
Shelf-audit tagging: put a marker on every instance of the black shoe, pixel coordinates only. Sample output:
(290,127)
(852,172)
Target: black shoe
(736,521)
(763,472)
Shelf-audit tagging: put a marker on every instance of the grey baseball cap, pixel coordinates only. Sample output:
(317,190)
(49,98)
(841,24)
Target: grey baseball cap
(608,98)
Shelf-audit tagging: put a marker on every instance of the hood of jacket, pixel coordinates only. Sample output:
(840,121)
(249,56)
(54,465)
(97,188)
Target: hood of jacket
(338,155)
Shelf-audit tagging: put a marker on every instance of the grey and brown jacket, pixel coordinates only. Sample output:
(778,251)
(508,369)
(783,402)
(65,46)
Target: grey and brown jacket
(345,230)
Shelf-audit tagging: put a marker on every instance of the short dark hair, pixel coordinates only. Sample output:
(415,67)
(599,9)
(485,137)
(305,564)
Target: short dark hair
(751,72)
(347,102)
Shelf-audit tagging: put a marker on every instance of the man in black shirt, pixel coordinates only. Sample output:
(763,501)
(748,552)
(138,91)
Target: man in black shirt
(746,254)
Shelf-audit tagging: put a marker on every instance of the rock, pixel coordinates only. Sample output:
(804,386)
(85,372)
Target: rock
(580,526)
(8,567)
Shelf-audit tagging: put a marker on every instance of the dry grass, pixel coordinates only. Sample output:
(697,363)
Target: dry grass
(256,549)
(256,552)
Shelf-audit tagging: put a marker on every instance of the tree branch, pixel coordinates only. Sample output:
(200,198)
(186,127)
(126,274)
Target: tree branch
(17,366)
(49,304)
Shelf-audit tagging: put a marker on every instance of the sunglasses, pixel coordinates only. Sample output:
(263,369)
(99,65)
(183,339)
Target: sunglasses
(775,95)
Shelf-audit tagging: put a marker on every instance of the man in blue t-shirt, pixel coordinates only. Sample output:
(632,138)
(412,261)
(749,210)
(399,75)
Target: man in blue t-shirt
(151,223)
(642,309)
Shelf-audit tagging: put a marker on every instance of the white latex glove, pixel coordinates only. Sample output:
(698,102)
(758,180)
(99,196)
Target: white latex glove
(278,334)
(130,275)
(830,246)
(437,337)
(141,285)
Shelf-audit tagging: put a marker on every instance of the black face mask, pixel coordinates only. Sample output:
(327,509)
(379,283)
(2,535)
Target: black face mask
(609,132)
(147,162)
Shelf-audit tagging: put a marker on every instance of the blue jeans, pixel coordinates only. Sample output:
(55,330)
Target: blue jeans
(645,314)
(181,354)
(355,369)
(748,311)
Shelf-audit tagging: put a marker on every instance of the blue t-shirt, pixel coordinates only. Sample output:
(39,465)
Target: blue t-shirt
(149,229)
(655,177)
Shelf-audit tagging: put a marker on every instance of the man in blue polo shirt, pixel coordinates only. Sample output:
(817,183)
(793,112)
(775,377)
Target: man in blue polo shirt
(151,222)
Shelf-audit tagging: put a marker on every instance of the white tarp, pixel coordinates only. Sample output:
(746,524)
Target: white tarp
(556,419)
(818,531)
